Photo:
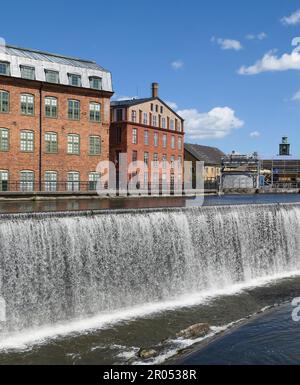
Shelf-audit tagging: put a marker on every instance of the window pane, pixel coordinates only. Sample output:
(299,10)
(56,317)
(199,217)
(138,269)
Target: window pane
(96,83)
(27,104)
(51,107)
(74,80)
(93,180)
(26,181)
(3,180)
(165,141)
(95,112)
(145,118)
(73,144)
(74,109)
(146,138)
(4,68)
(95,145)
(4,102)
(28,72)
(4,139)
(27,141)
(50,181)
(73,181)
(52,76)
(134,136)
(51,142)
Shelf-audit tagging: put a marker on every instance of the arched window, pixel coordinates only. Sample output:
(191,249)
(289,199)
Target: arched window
(74,144)
(95,112)
(27,104)
(26,181)
(4,139)
(50,181)
(94,177)
(51,107)
(4,102)
(95,145)
(73,109)
(27,141)
(3,180)
(73,181)
(51,142)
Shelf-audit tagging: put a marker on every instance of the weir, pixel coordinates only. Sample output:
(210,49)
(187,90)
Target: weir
(66,266)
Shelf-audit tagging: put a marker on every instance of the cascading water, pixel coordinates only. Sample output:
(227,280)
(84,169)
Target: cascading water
(61,267)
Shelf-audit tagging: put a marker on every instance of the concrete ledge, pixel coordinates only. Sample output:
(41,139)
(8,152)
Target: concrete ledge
(40,196)
(280,191)
(242,191)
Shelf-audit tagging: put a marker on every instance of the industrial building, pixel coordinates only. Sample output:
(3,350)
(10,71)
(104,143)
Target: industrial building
(212,158)
(151,134)
(54,121)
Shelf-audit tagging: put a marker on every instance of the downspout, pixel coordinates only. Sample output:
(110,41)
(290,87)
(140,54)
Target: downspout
(41,138)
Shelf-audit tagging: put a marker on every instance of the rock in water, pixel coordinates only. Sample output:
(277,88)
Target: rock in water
(145,354)
(194,331)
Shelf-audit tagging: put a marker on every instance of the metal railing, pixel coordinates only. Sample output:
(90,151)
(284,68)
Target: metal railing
(27,187)
(47,187)
(283,185)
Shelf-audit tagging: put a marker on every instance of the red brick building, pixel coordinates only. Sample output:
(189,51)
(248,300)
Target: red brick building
(54,121)
(148,131)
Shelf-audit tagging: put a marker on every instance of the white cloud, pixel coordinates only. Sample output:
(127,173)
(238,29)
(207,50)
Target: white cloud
(271,63)
(296,97)
(259,36)
(255,134)
(172,105)
(262,36)
(215,124)
(227,44)
(293,19)
(177,64)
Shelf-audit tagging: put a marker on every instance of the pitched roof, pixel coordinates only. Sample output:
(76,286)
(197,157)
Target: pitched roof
(134,102)
(50,57)
(210,155)
(129,102)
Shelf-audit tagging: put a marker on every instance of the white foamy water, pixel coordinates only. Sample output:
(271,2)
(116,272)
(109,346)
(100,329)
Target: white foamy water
(65,275)
(28,338)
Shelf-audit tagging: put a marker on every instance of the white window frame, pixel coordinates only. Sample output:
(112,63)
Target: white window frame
(73,144)
(27,141)
(73,183)
(50,181)
(26,183)
(4,180)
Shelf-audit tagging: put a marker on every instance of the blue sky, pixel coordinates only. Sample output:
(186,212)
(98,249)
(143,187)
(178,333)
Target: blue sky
(194,49)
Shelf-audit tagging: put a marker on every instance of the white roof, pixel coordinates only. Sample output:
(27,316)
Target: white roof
(42,61)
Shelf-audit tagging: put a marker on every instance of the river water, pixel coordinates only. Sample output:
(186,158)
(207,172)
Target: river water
(94,289)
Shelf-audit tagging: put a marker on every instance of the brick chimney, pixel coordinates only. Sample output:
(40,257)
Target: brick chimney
(155,87)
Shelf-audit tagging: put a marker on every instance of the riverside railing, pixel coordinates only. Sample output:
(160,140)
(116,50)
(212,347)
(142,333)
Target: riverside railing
(28,187)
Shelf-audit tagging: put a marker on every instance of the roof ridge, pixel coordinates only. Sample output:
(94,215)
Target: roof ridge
(50,54)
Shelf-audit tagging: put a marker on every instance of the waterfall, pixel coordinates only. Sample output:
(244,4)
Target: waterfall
(66,266)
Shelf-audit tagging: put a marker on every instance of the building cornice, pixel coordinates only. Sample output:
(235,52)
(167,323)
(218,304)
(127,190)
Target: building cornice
(37,84)
(127,122)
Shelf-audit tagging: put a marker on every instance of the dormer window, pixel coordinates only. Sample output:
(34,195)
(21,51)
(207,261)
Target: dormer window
(4,68)
(27,72)
(95,83)
(52,76)
(74,80)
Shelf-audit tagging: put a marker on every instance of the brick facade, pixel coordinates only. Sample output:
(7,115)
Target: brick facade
(146,115)
(39,161)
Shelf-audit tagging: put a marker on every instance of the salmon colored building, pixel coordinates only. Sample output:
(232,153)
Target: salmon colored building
(149,132)
(54,121)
